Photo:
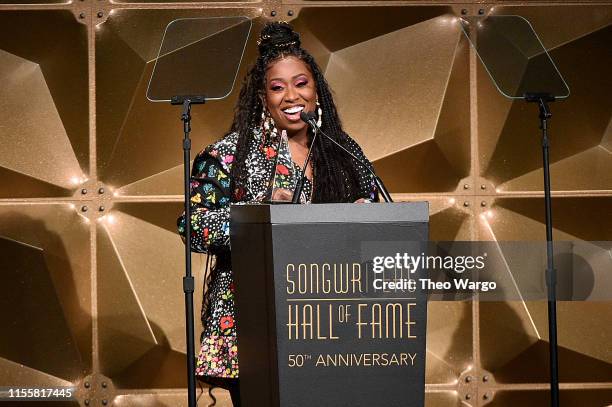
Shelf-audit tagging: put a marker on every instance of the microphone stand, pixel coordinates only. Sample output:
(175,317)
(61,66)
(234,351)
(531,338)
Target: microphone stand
(188,281)
(379,184)
(308,118)
(542,100)
(300,183)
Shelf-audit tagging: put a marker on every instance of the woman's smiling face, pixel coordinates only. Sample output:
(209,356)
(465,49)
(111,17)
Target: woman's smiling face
(290,88)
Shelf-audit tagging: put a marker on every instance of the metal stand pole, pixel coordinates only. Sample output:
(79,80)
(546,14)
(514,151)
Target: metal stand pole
(188,281)
(551,274)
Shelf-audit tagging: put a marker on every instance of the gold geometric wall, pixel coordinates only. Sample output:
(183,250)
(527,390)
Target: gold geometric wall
(90,186)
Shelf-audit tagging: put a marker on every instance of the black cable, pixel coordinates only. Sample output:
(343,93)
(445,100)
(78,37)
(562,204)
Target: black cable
(214,399)
(201,392)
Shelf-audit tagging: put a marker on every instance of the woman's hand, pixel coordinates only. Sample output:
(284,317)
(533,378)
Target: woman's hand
(363,200)
(282,194)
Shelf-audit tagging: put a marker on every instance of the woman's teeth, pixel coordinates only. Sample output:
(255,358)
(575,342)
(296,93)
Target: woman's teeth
(293,110)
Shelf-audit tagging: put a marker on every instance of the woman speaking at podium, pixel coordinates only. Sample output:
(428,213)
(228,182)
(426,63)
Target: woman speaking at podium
(260,159)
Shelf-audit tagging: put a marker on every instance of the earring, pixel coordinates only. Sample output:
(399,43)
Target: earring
(263,122)
(268,124)
(320,114)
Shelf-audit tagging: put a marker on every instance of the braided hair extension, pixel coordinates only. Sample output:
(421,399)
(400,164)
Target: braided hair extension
(335,174)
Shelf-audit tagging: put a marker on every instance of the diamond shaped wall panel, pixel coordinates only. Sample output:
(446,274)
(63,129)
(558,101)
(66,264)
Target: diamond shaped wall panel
(46,295)
(585,360)
(142,339)
(43,103)
(393,88)
(140,143)
(580,155)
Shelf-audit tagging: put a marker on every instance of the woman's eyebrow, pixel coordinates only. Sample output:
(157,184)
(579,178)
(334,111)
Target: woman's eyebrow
(282,80)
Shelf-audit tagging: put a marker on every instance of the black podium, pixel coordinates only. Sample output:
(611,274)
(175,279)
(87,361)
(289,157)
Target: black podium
(325,315)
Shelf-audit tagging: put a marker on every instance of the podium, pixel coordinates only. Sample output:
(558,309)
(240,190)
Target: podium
(325,316)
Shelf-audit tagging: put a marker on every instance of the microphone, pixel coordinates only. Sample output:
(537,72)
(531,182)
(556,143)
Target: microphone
(311,119)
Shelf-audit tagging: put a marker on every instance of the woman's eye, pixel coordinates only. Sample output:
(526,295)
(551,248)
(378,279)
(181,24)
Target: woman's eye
(276,88)
(301,84)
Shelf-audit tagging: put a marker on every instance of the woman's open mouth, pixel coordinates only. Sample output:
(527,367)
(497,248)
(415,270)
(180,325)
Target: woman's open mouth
(293,113)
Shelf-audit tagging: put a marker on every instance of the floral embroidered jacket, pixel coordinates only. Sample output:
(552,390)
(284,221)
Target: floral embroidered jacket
(210,211)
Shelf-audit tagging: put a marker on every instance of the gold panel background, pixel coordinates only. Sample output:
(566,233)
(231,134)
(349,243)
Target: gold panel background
(90,186)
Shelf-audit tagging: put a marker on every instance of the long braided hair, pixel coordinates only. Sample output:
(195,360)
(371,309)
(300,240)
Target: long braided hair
(334,171)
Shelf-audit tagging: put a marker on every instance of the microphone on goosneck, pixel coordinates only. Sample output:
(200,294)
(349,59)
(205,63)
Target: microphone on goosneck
(300,182)
(311,119)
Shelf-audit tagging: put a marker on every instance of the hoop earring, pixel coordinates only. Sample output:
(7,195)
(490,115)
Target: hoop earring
(320,115)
